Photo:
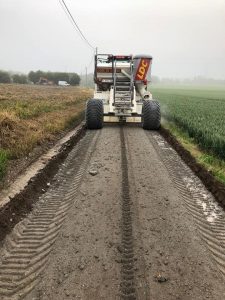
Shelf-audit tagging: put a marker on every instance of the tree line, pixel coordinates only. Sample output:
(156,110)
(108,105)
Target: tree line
(38,76)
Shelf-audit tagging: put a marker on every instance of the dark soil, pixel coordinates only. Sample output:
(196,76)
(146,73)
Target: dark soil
(211,183)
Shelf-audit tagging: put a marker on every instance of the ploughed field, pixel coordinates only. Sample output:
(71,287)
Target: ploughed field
(32,114)
(198,111)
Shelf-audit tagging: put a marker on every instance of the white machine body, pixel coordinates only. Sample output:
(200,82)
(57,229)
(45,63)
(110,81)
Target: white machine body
(120,82)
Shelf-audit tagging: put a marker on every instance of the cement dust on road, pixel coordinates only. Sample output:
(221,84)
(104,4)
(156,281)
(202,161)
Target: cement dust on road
(128,227)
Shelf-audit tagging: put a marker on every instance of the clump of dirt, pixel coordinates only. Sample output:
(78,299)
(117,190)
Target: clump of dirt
(211,183)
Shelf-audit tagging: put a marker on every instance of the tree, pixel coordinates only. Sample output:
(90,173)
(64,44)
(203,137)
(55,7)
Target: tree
(35,76)
(4,77)
(74,79)
(62,76)
(55,77)
(22,79)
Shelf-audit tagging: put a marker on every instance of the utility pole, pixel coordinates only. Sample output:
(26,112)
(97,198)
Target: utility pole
(86,75)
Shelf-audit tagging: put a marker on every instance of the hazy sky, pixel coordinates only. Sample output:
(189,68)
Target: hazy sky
(185,37)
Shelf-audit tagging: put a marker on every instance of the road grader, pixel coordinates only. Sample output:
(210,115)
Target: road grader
(121,93)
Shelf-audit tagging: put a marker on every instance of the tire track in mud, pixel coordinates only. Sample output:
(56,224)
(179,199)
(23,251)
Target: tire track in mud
(128,288)
(208,215)
(26,249)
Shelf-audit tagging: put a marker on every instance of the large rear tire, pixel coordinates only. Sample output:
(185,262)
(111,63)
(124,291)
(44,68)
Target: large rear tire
(151,116)
(94,114)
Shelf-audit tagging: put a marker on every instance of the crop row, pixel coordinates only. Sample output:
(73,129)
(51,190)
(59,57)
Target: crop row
(202,118)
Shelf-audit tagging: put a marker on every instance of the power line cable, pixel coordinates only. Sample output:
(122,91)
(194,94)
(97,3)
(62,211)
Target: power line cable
(74,23)
(63,7)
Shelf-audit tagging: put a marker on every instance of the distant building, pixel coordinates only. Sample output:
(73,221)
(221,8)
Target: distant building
(45,81)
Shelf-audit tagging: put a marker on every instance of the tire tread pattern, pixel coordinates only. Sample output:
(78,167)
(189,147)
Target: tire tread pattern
(151,115)
(94,114)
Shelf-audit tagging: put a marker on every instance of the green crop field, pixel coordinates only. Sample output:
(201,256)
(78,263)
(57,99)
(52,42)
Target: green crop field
(198,111)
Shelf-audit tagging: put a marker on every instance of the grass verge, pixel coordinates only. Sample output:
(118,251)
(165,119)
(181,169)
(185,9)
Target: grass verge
(3,162)
(32,115)
(213,164)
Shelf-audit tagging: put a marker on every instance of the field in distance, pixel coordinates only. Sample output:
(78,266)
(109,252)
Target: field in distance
(33,114)
(196,114)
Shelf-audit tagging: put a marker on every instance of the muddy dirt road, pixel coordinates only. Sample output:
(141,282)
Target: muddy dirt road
(124,219)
